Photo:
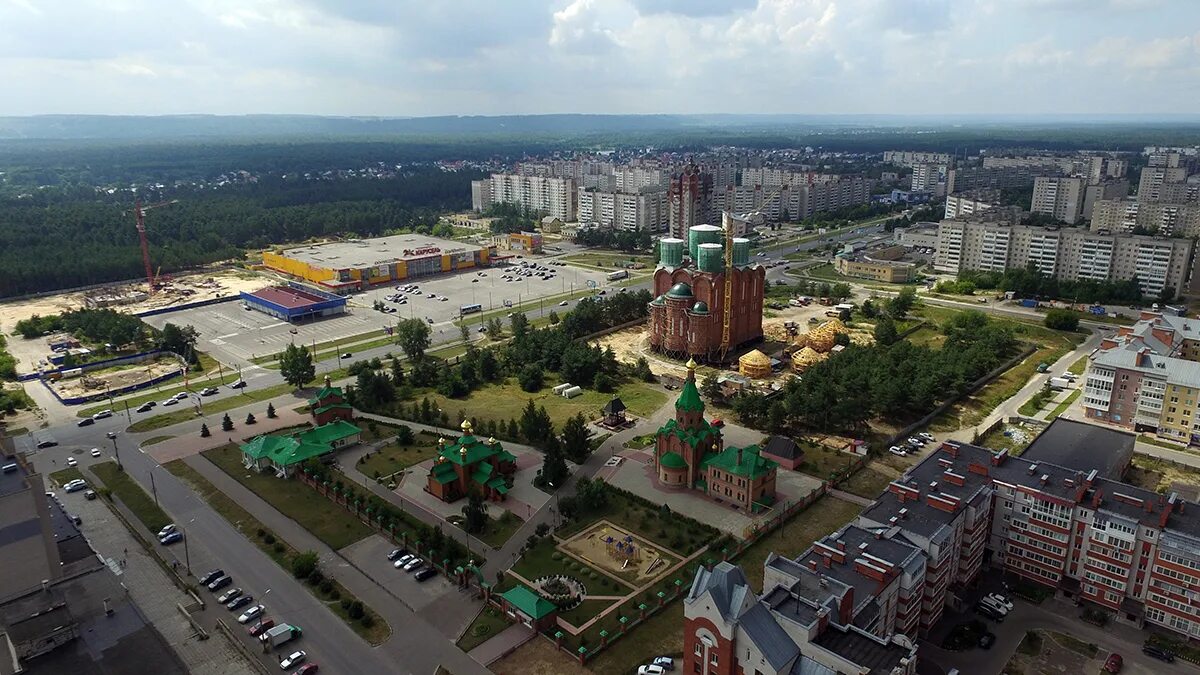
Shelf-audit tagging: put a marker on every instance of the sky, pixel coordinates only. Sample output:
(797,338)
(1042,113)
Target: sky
(490,57)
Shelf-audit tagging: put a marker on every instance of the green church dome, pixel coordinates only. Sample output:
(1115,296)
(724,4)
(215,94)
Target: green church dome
(672,460)
(700,308)
(680,290)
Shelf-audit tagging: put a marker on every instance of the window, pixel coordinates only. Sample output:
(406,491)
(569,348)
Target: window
(698,651)
(712,658)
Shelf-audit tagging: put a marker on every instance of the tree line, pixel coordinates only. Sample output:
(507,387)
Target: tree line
(1029,282)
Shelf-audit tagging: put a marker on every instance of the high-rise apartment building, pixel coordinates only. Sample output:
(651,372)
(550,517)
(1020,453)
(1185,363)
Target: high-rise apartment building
(689,200)
(642,209)
(1060,197)
(967,204)
(1165,218)
(481,194)
(1154,178)
(1066,253)
(911,158)
(961,179)
(929,177)
(550,196)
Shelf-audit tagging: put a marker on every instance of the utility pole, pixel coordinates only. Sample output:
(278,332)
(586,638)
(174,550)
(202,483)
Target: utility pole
(117,454)
(153,487)
(128,416)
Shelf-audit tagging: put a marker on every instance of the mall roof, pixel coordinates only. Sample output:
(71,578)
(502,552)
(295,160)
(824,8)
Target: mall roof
(360,253)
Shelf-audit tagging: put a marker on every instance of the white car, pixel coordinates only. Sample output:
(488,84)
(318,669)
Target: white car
(95,452)
(403,560)
(294,659)
(167,530)
(72,462)
(651,669)
(252,613)
(181,395)
(412,564)
(926,435)
(897,450)
(170,401)
(915,442)
(564,303)
(102,414)
(1001,600)
(75,485)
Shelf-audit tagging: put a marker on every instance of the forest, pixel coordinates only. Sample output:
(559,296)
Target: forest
(76,236)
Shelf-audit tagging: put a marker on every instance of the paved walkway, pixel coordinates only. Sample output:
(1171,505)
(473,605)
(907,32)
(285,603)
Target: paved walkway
(188,440)
(502,643)
(369,590)
(153,591)
(852,498)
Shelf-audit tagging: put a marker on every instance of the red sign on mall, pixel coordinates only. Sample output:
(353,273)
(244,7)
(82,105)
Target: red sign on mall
(421,251)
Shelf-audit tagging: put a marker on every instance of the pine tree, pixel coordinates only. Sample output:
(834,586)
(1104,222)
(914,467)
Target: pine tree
(226,423)
(270,411)
(204,432)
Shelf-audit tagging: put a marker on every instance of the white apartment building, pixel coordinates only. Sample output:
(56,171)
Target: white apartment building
(964,205)
(550,196)
(929,177)
(910,157)
(1166,218)
(1066,253)
(646,209)
(1150,186)
(481,194)
(1059,197)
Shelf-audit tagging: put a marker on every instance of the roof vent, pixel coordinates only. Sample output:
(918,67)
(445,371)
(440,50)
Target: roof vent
(1032,469)
(933,485)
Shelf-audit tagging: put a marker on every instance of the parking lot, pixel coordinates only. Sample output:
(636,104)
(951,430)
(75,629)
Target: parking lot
(234,335)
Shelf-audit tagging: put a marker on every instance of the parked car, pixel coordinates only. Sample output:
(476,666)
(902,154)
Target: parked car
(987,640)
(1159,653)
(412,564)
(211,577)
(208,391)
(651,669)
(103,414)
(145,407)
(396,553)
(167,529)
(72,462)
(181,396)
(238,385)
(111,434)
(89,495)
(252,613)
(75,485)
(229,595)
(664,662)
(898,451)
(239,602)
(171,538)
(1114,663)
(220,582)
(85,422)
(170,401)
(915,442)
(95,452)
(294,659)
(990,612)
(1001,600)
(261,627)
(306,669)
(994,605)
(403,560)
(926,435)
(425,574)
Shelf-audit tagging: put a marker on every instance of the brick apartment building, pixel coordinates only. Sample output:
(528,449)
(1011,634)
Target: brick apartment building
(856,600)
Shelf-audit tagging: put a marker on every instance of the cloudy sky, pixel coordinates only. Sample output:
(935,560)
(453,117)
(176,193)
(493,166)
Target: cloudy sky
(432,57)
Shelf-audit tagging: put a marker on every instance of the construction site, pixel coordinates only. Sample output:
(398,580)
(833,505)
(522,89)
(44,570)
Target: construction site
(75,384)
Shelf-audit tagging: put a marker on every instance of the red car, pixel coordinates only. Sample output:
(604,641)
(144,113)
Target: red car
(1114,663)
(261,627)
(306,669)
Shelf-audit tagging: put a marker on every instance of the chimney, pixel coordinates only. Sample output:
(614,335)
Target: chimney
(1032,469)
(828,562)
(739,456)
(841,545)
(878,535)
(999,457)
(1149,504)
(812,565)
(1044,477)
(950,448)
(978,469)
(1096,499)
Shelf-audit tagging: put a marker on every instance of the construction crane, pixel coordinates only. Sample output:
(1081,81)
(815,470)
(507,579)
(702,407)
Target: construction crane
(727,222)
(140,213)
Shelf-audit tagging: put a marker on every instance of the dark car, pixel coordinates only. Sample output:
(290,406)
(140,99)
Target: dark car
(987,640)
(1159,653)
(306,669)
(219,583)
(262,627)
(989,612)
(1114,663)
(425,574)
(85,422)
(239,602)
(396,553)
(145,407)
(211,577)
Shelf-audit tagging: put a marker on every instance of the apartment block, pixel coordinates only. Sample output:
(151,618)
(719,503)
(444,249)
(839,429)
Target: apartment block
(1066,253)
(1101,167)
(481,194)
(550,196)
(961,179)
(1150,185)
(1165,218)
(1060,197)
(643,209)
(929,177)
(911,157)
(1065,165)
(689,200)
(968,203)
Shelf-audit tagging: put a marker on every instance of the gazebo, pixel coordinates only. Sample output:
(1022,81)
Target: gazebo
(614,413)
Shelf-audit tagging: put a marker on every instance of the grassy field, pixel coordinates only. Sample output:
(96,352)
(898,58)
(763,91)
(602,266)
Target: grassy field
(334,526)
(160,393)
(279,551)
(131,495)
(499,530)
(540,560)
(1079,366)
(580,615)
(393,457)
(821,518)
(328,345)
(64,476)
(820,461)
(602,259)
(272,361)
(870,481)
(486,625)
(154,440)
(670,530)
(539,656)
(502,402)
(1062,407)
(547,301)
(661,635)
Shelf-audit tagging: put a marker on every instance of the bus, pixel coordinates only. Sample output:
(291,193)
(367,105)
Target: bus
(469,309)
(621,274)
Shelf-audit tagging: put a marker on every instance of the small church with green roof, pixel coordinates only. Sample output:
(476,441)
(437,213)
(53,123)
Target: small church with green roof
(690,453)
(471,463)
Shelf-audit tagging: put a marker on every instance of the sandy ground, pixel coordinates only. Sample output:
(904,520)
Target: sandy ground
(179,290)
(590,546)
(100,381)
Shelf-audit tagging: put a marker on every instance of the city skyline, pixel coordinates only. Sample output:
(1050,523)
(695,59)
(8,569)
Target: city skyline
(316,57)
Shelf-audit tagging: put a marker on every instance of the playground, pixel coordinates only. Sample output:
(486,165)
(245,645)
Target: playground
(620,552)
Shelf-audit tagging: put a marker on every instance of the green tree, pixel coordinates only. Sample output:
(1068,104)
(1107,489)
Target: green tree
(270,411)
(404,435)
(1061,319)
(603,382)
(885,330)
(180,340)
(531,377)
(413,336)
(576,439)
(204,432)
(710,387)
(535,423)
(554,468)
(397,372)
(519,324)
(475,513)
(899,306)
(464,332)
(554,318)
(250,418)
(296,366)
(226,423)
(304,564)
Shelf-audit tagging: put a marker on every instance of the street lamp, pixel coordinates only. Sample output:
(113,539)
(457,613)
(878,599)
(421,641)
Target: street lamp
(187,558)
(117,452)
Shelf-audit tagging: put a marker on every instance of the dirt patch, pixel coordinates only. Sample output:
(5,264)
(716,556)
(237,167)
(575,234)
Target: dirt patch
(538,657)
(115,378)
(619,552)
(174,291)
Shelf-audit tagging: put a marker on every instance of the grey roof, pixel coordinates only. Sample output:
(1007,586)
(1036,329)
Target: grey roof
(1173,370)
(614,406)
(774,643)
(853,537)
(806,666)
(1083,447)
(863,650)
(375,251)
(790,606)
(782,446)
(728,586)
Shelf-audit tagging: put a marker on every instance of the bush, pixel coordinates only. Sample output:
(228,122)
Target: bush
(1062,319)
(316,578)
(304,564)
(367,621)
(557,555)
(279,547)
(345,603)
(261,533)
(268,537)
(326,587)
(356,610)
(334,594)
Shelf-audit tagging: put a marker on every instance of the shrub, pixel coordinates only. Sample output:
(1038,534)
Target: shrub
(261,533)
(326,587)
(279,547)
(268,537)
(316,578)
(304,564)
(335,593)
(356,610)
(557,555)
(367,621)
(345,603)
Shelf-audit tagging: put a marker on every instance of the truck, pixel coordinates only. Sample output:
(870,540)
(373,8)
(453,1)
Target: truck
(619,274)
(280,634)
(1097,310)
(1029,302)
(1059,383)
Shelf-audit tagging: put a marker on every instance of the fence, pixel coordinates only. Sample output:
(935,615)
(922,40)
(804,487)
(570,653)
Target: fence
(612,329)
(109,393)
(186,305)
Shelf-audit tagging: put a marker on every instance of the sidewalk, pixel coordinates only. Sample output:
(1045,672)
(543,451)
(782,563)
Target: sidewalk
(155,594)
(188,441)
(372,592)
(500,644)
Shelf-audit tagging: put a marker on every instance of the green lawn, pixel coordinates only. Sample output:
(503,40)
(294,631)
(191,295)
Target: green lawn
(64,476)
(279,551)
(333,525)
(499,530)
(131,495)
(212,408)
(660,635)
(819,519)
(1079,366)
(869,481)
(1062,407)
(153,440)
(675,531)
(393,457)
(486,625)
(272,362)
(820,461)
(541,560)
(328,345)
(601,259)
(577,616)
(502,402)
